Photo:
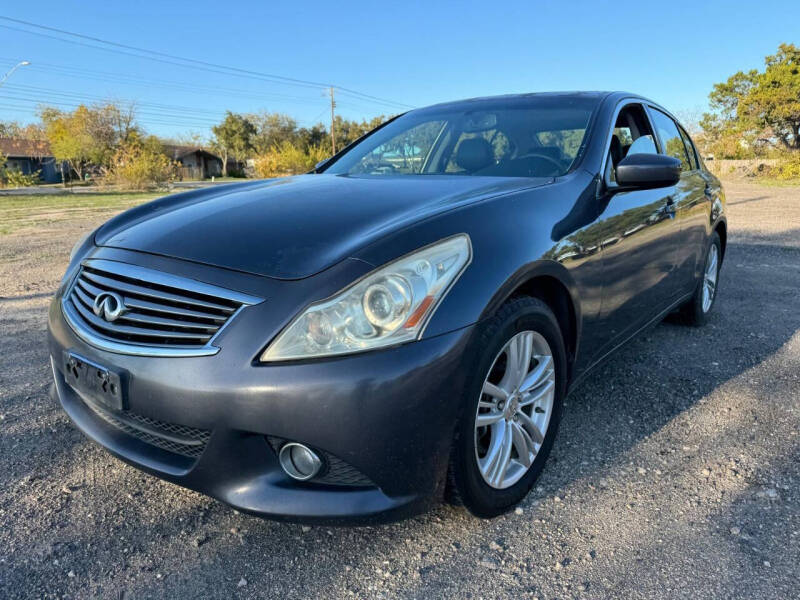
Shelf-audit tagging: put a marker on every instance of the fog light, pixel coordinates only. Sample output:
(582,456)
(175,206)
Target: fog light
(299,461)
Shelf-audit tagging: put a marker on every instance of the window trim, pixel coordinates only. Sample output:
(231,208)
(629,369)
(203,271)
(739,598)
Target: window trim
(686,137)
(621,105)
(662,148)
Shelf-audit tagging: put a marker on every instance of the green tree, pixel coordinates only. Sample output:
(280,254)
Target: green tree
(348,131)
(757,110)
(88,136)
(316,136)
(17,131)
(233,138)
(272,130)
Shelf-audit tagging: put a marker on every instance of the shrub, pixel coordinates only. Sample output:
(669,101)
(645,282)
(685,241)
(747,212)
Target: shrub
(138,166)
(788,167)
(288,159)
(16,178)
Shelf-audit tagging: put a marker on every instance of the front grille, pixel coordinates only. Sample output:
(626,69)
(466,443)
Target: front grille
(160,311)
(178,439)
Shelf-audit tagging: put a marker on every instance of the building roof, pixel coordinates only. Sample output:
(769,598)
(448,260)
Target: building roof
(175,151)
(15,148)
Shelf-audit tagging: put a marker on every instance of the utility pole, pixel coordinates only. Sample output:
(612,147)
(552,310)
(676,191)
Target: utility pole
(333,133)
(24,63)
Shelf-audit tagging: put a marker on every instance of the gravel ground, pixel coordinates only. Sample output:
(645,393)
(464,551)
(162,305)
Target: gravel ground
(676,472)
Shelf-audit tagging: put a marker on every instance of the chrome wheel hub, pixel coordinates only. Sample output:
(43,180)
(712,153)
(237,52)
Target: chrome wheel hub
(710,277)
(514,409)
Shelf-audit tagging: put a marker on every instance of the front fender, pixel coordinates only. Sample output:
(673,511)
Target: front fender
(512,243)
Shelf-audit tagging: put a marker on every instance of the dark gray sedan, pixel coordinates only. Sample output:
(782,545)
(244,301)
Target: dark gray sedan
(399,326)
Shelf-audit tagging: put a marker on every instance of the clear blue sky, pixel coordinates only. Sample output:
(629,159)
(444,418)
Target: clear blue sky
(414,53)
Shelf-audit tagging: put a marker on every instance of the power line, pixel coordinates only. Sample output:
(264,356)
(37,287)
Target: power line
(107,76)
(153,121)
(174,119)
(90,97)
(163,56)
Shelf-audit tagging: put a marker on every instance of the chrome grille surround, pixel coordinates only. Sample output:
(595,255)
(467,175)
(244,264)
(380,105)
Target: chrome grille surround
(164,315)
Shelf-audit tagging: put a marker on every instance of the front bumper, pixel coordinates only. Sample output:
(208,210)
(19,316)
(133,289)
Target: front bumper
(389,415)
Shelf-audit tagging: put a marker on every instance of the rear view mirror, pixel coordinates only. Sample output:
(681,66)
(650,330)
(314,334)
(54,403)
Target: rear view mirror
(647,171)
(478,122)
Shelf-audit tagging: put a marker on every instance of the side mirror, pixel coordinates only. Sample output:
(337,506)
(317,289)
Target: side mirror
(648,171)
(320,163)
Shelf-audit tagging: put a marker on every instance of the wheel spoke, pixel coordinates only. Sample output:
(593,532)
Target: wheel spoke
(531,427)
(488,463)
(503,458)
(711,269)
(494,391)
(525,353)
(523,443)
(484,419)
(512,360)
(710,284)
(538,375)
(540,392)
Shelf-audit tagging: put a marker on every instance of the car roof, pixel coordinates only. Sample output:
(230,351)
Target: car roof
(598,96)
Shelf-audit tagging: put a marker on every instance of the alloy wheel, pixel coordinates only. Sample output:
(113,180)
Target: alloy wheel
(710,277)
(514,409)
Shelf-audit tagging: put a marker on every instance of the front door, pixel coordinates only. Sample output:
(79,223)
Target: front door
(638,249)
(637,234)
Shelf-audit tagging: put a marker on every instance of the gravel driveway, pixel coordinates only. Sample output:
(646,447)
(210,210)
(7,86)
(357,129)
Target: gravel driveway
(676,472)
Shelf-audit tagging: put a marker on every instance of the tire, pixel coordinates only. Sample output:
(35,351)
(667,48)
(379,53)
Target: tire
(474,478)
(695,312)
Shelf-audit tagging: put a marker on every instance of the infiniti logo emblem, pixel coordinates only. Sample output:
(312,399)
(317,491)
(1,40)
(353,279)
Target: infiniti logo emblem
(109,306)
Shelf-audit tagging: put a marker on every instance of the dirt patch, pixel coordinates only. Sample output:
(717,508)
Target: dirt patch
(676,473)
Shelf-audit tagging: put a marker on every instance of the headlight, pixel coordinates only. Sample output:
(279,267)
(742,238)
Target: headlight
(78,244)
(389,306)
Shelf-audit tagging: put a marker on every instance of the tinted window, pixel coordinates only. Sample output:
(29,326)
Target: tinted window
(689,148)
(533,136)
(671,140)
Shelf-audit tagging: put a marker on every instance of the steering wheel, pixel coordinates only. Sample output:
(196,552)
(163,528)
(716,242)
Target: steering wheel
(380,166)
(549,159)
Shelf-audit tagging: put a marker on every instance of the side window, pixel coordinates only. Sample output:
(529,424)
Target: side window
(671,141)
(631,135)
(689,147)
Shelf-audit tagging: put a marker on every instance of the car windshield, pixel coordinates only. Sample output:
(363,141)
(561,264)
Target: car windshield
(533,136)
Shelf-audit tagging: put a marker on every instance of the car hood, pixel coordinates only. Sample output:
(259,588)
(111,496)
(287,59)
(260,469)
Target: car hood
(294,227)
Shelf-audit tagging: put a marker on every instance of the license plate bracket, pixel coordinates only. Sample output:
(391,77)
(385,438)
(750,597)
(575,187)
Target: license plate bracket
(94,382)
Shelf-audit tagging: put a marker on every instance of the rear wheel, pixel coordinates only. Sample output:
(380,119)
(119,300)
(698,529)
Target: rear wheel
(695,311)
(512,410)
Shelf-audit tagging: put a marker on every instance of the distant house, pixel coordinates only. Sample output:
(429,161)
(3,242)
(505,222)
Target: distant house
(30,156)
(196,163)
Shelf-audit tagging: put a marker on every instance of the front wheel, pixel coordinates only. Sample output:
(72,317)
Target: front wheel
(512,410)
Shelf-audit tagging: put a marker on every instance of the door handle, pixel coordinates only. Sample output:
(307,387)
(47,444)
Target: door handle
(669,207)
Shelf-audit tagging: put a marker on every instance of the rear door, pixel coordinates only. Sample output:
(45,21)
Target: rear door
(689,198)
